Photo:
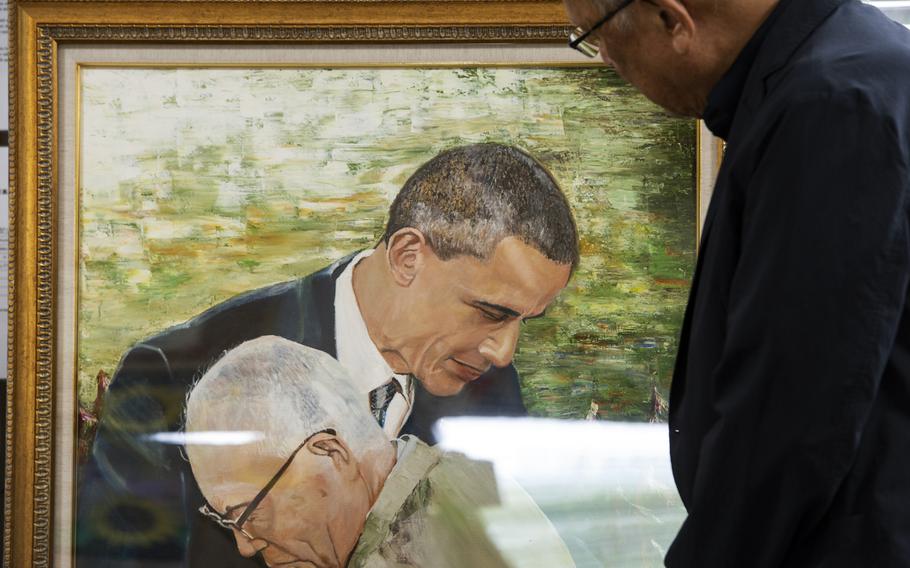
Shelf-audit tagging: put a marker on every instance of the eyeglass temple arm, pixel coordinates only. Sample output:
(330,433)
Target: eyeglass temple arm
(577,41)
(265,490)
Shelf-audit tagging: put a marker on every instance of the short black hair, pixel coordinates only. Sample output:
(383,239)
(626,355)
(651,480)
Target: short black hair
(467,199)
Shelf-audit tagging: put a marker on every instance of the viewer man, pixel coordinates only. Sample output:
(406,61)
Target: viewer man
(321,484)
(479,239)
(790,407)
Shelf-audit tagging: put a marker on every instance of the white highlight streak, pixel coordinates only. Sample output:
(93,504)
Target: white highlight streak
(212,438)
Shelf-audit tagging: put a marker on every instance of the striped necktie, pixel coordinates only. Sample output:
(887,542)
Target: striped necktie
(380,399)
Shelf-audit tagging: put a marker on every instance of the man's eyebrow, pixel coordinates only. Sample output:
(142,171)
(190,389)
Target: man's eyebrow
(506,310)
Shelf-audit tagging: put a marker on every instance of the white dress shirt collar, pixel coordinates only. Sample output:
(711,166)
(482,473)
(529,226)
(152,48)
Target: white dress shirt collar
(356,351)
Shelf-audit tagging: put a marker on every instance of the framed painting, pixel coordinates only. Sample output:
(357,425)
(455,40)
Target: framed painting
(435,206)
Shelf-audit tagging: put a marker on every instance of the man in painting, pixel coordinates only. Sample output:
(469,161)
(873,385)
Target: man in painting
(790,406)
(479,239)
(322,485)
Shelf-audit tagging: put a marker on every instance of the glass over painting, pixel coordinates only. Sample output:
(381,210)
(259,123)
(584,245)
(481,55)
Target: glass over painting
(198,184)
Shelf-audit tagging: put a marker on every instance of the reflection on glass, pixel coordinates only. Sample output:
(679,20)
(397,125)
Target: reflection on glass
(897,10)
(607,487)
(200,185)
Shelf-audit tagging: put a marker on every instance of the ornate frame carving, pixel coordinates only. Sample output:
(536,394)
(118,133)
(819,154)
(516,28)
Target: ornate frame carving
(305,33)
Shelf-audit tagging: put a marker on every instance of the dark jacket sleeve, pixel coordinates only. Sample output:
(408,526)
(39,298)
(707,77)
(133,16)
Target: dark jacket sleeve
(130,496)
(814,307)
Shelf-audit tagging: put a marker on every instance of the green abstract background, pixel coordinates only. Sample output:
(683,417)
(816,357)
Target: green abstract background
(199,184)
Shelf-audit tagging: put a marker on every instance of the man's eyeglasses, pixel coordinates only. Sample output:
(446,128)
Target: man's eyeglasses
(228,523)
(577,37)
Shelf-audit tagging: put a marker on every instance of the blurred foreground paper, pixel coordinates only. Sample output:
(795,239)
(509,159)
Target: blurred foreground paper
(606,487)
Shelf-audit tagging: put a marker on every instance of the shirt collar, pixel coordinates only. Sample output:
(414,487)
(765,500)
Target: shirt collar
(356,351)
(724,98)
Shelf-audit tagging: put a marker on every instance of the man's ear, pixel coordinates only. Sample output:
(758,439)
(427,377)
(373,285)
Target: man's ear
(677,23)
(406,254)
(333,447)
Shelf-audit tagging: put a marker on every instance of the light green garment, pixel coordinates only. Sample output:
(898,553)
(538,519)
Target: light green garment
(427,513)
(439,510)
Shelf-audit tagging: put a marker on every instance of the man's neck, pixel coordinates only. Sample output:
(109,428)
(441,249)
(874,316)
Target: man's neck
(730,27)
(373,292)
(374,479)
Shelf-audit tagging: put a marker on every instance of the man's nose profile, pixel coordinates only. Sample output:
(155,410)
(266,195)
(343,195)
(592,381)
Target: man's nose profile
(499,347)
(248,547)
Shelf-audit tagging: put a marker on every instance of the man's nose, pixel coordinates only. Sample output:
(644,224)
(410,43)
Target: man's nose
(248,547)
(499,346)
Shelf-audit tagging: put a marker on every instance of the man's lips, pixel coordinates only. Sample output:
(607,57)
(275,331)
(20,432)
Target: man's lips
(466,371)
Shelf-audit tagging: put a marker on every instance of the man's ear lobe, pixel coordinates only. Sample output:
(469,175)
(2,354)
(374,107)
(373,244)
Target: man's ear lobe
(405,253)
(331,446)
(677,24)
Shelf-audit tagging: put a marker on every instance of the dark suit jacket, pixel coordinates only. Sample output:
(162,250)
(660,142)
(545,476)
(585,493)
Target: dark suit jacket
(790,405)
(137,499)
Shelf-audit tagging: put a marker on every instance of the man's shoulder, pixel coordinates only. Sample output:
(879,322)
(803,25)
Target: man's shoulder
(245,311)
(425,473)
(856,58)
(452,476)
(276,309)
(427,512)
(277,296)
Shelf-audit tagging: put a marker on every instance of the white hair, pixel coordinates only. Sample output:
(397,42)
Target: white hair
(286,392)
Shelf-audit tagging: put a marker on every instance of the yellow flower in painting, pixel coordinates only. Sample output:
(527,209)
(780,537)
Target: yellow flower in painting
(143,410)
(131,521)
(137,276)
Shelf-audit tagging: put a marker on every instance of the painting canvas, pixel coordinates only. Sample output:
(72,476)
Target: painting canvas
(200,184)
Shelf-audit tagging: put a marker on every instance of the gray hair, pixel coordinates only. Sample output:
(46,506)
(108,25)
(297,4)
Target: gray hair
(467,199)
(620,20)
(284,391)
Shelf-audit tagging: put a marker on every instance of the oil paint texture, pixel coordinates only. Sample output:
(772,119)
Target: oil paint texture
(198,184)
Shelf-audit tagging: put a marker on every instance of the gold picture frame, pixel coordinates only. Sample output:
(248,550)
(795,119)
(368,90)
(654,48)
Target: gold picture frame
(39,30)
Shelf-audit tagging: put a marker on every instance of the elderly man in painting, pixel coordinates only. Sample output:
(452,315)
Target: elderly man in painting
(478,240)
(321,471)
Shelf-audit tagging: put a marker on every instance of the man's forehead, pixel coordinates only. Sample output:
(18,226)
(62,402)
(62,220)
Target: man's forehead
(522,267)
(232,469)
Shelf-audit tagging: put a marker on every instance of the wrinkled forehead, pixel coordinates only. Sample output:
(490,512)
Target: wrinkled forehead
(230,472)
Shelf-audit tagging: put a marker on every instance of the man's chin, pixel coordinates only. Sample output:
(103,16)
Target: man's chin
(444,383)
(322,563)
(304,556)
